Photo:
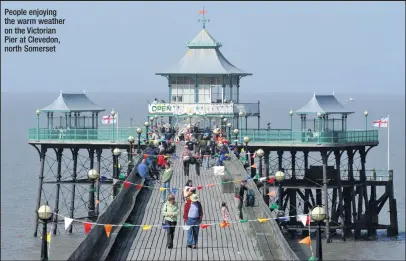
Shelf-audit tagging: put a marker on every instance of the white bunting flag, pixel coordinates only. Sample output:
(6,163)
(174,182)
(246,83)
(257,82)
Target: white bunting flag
(218,170)
(115,181)
(262,179)
(305,219)
(68,221)
(186,227)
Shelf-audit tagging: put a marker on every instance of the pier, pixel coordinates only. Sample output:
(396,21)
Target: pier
(289,171)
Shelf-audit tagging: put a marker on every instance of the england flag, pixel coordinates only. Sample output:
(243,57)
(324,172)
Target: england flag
(108,119)
(382,123)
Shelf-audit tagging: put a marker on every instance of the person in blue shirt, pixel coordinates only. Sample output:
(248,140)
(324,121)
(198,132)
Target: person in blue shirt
(143,172)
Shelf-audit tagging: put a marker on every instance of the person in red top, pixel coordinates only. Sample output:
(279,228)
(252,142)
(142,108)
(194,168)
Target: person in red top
(161,160)
(193,216)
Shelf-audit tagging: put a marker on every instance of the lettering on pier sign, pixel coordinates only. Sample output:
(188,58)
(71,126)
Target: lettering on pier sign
(190,109)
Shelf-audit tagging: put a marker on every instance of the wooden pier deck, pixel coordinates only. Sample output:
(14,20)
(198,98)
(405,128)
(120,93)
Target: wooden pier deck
(236,242)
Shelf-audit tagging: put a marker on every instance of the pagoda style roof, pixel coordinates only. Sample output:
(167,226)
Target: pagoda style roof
(72,103)
(204,57)
(326,104)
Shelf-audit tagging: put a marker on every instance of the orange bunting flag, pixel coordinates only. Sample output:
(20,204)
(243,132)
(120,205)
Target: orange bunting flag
(224,224)
(127,184)
(199,187)
(306,241)
(145,156)
(139,186)
(262,220)
(97,202)
(272,193)
(88,226)
(204,226)
(254,166)
(108,228)
(211,185)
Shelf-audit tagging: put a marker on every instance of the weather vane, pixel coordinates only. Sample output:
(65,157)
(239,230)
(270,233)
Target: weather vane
(203,20)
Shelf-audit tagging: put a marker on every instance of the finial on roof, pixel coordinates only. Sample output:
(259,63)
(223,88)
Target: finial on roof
(314,93)
(202,12)
(60,91)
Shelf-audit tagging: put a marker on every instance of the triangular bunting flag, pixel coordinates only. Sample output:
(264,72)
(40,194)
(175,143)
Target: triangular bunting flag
(146,227)
(97,202)
(204,226)
(87,226)
(162,189)
(256,177)
(243,220)
(254,166)
(271,180)
(68,221)
(49,237)
(284,218)
(174,190)
(272,193)
(312,258)
(103,178)
(211,185)
(199,187)
(305,240)
(262,220)
(127,184)
(115,181)
(224,224)
(127,225)
(122,176)
(186,227)
(305,219)
(139,186)
(273,206)
(262,179)
(108,228)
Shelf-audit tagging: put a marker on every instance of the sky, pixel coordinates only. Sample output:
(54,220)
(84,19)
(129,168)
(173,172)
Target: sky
(298,47)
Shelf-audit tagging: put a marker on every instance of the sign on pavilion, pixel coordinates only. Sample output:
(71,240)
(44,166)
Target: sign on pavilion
(191,109)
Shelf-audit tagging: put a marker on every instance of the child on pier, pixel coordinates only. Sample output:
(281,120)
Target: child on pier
(225,214)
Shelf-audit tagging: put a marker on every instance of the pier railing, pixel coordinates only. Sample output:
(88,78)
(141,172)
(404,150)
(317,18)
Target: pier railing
(120,134)
(309,137)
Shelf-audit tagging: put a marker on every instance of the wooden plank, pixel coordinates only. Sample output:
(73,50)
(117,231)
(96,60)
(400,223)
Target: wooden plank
(215,243)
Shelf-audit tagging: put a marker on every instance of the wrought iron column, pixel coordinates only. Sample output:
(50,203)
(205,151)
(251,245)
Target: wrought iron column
(58,187)
(324,157)
(42,154)
(75,153)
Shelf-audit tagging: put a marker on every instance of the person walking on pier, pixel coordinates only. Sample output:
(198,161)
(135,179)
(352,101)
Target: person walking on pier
(170,212)
(240,195)
(188,185)
(166,181)
(143,172)
(193,215)
(186,160)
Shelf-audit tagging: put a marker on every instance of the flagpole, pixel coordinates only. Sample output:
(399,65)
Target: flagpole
(117,125)
(388,144)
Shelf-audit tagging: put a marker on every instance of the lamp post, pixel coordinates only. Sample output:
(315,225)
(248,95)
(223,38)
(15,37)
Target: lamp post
(246,141)
(225,125)
(242,115)
(151,119)
(38,112)
(229,130)
(113,113)
(156,120)
(130,156)
(319,115)
(93,175)
(146,130)
(235,131)
(260,154)
(280,176)
(291,123)
(318,215)
(45,214)
(116,154)
(366,120)
(139,131)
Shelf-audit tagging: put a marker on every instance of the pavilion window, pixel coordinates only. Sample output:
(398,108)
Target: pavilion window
(183,89)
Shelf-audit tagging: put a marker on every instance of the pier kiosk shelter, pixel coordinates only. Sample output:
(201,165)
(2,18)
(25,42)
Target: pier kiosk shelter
(205,86)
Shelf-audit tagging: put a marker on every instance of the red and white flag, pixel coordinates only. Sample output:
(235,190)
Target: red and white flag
(108,119)
(382,123)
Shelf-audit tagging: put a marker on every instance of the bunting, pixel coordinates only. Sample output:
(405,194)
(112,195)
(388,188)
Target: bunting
(108,228)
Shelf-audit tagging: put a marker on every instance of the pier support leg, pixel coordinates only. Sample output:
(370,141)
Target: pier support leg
(292,191)
(324,157)
(306,206)
(393,212)
(42,154)
(340,210)
(372,209)
(280,189)
(351,192)
(58,188)
(98,185)
(115,175)
(75,153)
